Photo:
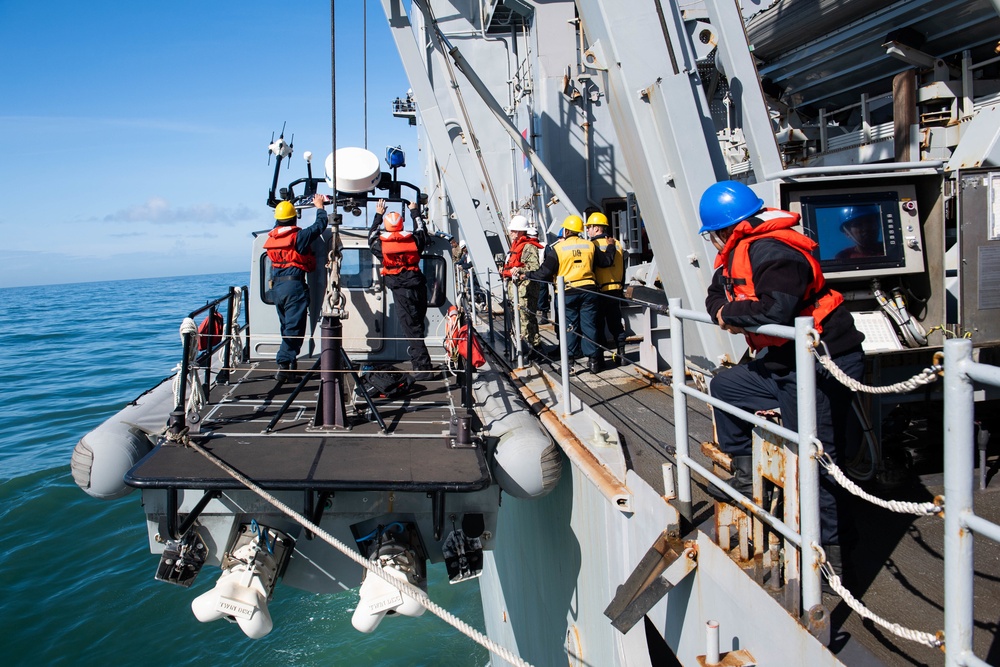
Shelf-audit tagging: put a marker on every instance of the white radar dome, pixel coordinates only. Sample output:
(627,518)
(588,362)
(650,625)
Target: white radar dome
(357,170)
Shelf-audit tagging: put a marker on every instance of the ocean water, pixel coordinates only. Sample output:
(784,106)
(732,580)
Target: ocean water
(76,576)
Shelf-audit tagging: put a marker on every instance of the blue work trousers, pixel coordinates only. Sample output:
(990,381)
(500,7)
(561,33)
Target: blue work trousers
(581,318)
(754,386)
(291,299)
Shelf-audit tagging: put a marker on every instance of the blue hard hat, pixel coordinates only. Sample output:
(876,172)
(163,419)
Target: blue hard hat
(725,203)
(855,215)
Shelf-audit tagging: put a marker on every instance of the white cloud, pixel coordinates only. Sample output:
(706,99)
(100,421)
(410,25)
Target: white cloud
(158,210)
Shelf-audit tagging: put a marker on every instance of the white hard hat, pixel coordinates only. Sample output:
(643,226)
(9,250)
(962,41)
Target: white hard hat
(533,231)
(462,244)
(518,223)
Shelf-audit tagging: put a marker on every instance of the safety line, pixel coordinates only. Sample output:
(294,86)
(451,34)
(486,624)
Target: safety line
(899,506)
(919,636)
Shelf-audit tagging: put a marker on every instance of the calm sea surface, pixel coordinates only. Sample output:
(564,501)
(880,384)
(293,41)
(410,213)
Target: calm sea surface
(76,576)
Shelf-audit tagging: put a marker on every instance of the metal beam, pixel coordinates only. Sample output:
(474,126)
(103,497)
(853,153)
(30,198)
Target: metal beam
(667,140)
(460,194)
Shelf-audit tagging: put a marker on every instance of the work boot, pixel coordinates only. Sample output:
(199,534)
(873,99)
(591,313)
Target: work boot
(282,373)
(424,374)
(742,479)
(594,364)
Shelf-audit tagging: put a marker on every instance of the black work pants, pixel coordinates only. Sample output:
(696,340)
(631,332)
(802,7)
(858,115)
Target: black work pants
(755,386)
(411,309)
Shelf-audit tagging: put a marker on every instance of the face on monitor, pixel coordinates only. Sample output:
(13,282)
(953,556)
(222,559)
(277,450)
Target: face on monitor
(849,232)
(863,232)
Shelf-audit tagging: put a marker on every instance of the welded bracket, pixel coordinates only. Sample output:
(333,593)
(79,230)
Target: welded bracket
(666,563)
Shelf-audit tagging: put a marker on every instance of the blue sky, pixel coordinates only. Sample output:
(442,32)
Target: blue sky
(136,133)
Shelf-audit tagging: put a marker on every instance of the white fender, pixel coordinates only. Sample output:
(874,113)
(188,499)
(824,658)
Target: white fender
(378,597)
(527,464)
(103,456)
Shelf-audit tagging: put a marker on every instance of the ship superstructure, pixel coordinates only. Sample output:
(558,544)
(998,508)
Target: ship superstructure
(636,108)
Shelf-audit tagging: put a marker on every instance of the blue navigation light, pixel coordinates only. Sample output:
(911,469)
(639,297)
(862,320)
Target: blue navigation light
(394,156)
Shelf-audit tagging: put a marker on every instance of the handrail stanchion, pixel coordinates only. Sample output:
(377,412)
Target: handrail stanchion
(515,289)
(178,420)
(959,415)
(469,367)
(246,318)
(227,332)
(489,303)
(809,527)
(678,368)
(563,346)
(505,303)
(206,382)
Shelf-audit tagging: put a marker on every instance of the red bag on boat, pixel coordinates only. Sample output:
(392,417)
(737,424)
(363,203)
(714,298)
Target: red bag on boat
(210,331)
(460,339)
(456,337)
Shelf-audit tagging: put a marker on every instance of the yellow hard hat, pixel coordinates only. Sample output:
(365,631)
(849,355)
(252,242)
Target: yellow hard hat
(284,210)
(598,218)
(573,223)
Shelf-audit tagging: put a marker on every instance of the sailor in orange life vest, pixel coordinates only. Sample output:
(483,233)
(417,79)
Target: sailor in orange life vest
(399,251)
(290,250)
(766,274)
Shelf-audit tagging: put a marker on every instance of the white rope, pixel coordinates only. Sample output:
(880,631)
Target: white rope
(374,568)
(196,396)
(925,638)
(899,506)
(923,378)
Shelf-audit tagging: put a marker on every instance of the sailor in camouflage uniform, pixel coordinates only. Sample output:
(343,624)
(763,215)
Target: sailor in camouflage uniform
(524,256)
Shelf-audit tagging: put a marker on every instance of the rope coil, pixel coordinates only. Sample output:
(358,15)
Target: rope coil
(236,338)
(196,397)
(919,636)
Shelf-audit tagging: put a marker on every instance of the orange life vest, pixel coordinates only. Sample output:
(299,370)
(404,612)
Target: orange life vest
(514,256)
(280,247)
(734,259)
(399,253)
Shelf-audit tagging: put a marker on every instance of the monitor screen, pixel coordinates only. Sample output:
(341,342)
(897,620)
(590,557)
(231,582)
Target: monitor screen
(862,233)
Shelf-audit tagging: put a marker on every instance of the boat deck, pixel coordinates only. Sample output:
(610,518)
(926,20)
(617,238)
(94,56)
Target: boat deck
(896,570)
(415,453)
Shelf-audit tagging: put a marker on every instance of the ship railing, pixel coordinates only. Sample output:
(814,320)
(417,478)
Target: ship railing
(235,299)
(961,524)
(808,533)
(514,312)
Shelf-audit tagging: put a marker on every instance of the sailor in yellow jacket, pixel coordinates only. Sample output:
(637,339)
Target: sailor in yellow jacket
(574,257)
(610,283)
